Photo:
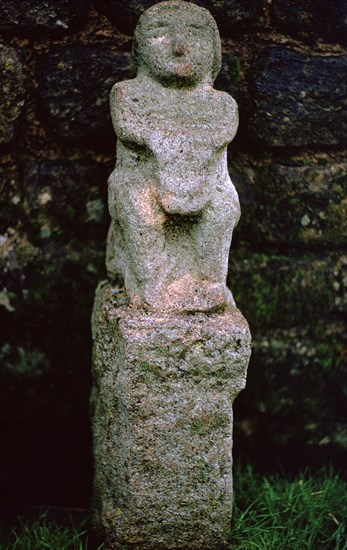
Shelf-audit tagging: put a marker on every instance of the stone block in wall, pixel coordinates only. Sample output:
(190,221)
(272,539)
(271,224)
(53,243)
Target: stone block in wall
(228,79)
(10,197)
(293,204)
(74,87)
(124,14)
(23,362)
(299,99)
(312,19)
(231,15)
(64,201)
(281,290)
(44,371)
(292,411)
(16,251)
(307,203)
(52,217)
(51,256)
(37,19)
(12,92)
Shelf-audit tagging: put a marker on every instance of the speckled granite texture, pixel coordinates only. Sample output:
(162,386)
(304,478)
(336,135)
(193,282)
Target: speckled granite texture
(164,384)
(171,200)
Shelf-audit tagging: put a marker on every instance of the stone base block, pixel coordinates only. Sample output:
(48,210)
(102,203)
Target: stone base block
(162,423)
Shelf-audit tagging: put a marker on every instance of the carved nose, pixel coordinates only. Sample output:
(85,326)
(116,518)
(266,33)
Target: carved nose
(178,47)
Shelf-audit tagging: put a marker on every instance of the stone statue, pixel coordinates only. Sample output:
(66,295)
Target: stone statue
(172,203)
(165,379)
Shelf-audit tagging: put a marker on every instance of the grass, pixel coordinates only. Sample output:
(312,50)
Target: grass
(44,534)
(274,513)
(270,513)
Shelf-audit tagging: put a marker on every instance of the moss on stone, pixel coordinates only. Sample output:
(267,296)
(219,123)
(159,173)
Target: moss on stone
(282,291)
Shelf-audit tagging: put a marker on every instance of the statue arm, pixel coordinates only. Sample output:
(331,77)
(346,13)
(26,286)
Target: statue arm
(233,117)
(229,118)
(125,115)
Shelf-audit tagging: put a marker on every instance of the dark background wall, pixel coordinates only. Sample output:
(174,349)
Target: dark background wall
(285,63)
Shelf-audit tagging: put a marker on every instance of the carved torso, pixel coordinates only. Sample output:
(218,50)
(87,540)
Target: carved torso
(184,134)
(171,199)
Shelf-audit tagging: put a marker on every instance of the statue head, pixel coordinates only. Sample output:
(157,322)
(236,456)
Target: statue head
(178,44)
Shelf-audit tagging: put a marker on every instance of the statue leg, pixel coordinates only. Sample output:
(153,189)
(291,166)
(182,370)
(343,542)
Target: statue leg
(141,250)
(212,238)
(201,284)
(138,239)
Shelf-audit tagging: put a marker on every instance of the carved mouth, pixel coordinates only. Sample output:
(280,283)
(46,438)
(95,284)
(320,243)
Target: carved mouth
(183,204)
(182,67)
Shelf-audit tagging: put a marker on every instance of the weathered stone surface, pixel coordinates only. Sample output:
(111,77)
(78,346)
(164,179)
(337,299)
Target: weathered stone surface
(171,350)
(281,291)
(307,203)
(12,92)
(10,197)
(228,79)
(40,19)
(172,203)
(292,400)
(312,19)
(58,205)
(296,308)
(230,15)
(29,363)
(64,201)
(162,417)
(47,285)
(300,99)
(293,203)
(124,14)
(74,88)
(53,226)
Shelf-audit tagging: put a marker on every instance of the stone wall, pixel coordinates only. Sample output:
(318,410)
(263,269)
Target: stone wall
(285,63)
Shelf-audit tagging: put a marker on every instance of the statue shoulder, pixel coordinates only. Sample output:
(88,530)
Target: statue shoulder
(228,113)
(125,100)
(227,101)
(124,91)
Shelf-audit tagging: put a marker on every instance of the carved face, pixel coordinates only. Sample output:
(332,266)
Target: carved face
(176,45)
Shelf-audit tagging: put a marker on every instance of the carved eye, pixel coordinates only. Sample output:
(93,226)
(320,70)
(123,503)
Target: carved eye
(142,151)
(196,29)
(159,30)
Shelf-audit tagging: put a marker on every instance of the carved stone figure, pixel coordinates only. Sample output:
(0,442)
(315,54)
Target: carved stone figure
(172,203)
(164,378)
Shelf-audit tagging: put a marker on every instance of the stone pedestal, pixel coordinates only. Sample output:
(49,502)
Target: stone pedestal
(164,384)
